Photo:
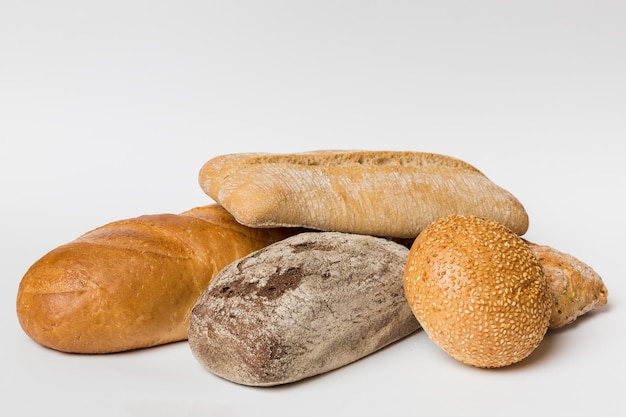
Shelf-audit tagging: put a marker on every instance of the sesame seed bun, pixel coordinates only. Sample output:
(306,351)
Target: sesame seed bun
(478,291)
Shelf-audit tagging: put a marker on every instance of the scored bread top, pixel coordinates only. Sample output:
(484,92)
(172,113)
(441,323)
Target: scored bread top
(131,283)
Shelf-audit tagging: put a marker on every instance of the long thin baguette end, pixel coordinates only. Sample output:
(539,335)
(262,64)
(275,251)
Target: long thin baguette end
(577,289)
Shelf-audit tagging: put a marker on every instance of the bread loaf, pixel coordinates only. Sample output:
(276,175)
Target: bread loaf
(131,283)
(575,287)
(303,306)
(380,193)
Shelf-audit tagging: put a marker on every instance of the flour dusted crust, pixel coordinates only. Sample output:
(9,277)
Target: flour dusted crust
(300,307)
(379,193)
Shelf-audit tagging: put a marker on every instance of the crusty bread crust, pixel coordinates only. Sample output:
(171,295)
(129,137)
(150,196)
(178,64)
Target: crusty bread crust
(478,291)
(131,283)
(380,193)
(301,307)
(576,288)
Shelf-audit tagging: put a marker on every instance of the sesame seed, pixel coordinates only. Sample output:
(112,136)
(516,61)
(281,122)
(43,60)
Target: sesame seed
(488,285)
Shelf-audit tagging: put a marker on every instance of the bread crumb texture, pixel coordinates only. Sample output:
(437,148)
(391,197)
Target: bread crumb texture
(478,291)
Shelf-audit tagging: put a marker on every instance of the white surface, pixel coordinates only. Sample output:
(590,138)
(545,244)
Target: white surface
(108,110)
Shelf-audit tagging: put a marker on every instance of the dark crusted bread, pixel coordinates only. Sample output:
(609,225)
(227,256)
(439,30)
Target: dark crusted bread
(300,307)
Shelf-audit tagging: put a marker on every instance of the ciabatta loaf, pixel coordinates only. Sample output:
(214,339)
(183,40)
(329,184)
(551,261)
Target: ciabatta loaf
(380,193)
(131,283)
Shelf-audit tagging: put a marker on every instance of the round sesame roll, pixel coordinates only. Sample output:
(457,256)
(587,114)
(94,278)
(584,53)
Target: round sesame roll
(478,291)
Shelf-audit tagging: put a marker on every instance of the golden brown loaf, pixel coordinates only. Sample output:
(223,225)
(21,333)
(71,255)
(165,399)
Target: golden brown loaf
(478,291)
(380,193)
(132,283)
(576,288)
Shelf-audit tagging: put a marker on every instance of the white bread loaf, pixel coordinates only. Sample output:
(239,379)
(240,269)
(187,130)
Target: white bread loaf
(131,283)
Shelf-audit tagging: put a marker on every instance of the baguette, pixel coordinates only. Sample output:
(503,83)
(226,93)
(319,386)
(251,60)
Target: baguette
(379,193)
(575,287)
(131,283)
(303,306)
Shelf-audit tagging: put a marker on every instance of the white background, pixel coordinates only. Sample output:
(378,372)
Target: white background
(109,109)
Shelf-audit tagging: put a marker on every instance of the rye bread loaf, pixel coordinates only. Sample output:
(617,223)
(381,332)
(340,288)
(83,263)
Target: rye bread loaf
(300,307)
(379,193)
